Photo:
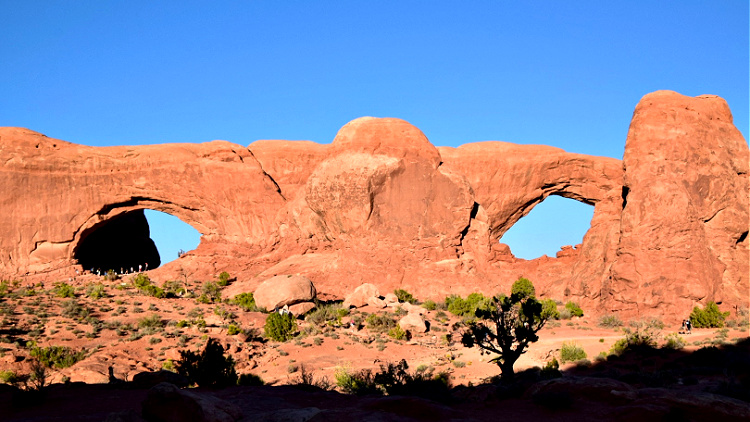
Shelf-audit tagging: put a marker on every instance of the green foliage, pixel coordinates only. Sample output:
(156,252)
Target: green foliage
(95,291)
(379,322)
(249,380)
(643,338)
(153,321)
(64,290)
(708,317)
(574,309)
(551,369)
(143,283)
(233,329)
(609,321)
(209,369)
(111,275)
(328,314)
(506,328)
(466,307)
(571,352)
(72,309)
(398,333)
(173,288)
(549,309)
(280,327)
(523,287)
(404,296)
(224,278)
(674,341)
(56,356)
(246,301)
(10,377)
(396,379)
(430,305)
(210,293)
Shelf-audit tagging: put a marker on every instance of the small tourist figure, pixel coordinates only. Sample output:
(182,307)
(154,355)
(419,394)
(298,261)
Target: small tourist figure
(147,266)
(689,326)
(683,328)
(140,267)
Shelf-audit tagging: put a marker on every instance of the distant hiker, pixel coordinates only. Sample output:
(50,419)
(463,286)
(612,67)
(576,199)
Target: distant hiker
(140,267)
(683,328)
(131,270)
(147,266)
(689,326)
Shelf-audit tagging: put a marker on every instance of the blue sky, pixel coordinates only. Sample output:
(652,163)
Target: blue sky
(561,73)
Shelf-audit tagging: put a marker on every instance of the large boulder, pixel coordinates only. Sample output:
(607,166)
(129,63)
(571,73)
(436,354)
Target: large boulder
(284,290)
(361,295)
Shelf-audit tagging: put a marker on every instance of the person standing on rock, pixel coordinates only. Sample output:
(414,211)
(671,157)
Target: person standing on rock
(689,326)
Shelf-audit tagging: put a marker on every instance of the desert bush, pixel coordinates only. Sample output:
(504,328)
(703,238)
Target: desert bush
(640,339)
(63,289)
(210,293)
(574,309)
(154,321)
(95,291)
(571,352)
(549,309)
(708,317)
(56,356)
(359,383)
(330,314)
(551,369)
(565,313)
(224,278)
(466,307)
(72,309)
(674,341)
(143,283)
(10,377)
(249,380)
(173,288)
(208,369)
(246,301)
(111,275)
(404,296)
(380,322)
(308,381)
(430,305)
(523,288)
(398,333)
(609,321)
(233,329)
(280,327)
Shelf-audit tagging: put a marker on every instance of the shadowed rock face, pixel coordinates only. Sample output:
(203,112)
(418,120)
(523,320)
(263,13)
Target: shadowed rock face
(383,205)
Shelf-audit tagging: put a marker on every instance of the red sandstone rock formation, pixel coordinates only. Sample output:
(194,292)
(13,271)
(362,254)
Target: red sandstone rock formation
(382,205)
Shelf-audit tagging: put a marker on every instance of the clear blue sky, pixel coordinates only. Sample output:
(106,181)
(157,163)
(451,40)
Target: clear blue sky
(562,73)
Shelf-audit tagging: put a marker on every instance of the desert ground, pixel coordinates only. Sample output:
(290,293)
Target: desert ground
(110,323)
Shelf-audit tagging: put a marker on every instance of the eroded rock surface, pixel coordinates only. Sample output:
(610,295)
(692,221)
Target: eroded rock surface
(382,205)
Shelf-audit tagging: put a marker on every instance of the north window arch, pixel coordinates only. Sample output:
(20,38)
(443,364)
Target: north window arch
(555,222)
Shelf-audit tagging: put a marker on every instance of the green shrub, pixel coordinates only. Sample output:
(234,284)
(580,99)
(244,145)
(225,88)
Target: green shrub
(71,309)
(360,383)
(153,321)
(571,352)
(143,283)
(466,307)
(173,288)
(328,314)
(404,296)
(574,309)
(209,369)
(223,279)
(549,309)
(249,380)
(398,333)
(430,305)
(280,327)
(210,293)
(523,287)
(551,369)
(10,377)
(246,301)
(674,341)
(95,291)
(56,356)
(380,323)
(640,339)
(609,321)
(64,290)
(708,317)
(233,329)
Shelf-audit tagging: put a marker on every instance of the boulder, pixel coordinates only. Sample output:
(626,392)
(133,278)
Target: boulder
(300,309)
(376,302)
(165,402)
(390,299)
(361,295)
(413,323)
(284,290)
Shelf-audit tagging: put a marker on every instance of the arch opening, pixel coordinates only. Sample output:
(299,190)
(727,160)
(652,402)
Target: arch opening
(555,222)
(133,240)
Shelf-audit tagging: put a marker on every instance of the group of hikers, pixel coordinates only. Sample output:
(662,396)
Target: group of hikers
(687,327)
(123,270)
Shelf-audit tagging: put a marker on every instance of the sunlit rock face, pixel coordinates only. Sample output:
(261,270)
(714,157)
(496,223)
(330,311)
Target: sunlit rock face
(382,205)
